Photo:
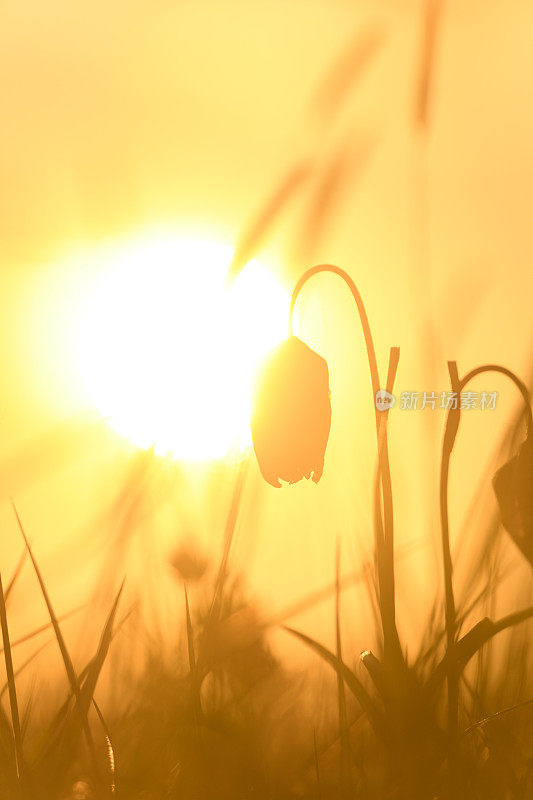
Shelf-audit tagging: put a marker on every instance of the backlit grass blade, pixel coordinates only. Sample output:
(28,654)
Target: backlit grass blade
(25,664)
(317,766)
(110,749)
(69,667)
(471,642)
(347,70)
(15,719)
(261,225)
(67,661)
(352,682)
(432,15)
(41,629)
(229,534)
(54,730)
(18,569)
(341,693)
(193,669)
(89,684)
(77,722)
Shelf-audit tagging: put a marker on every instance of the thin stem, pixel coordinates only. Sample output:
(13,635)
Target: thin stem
(345,773)
(450,433)
(450,611)
(15,718)
(386,536)
(369,342)
(229,534)
(520,385)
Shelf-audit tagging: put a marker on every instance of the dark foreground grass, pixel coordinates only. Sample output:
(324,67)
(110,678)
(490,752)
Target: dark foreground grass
(218,716)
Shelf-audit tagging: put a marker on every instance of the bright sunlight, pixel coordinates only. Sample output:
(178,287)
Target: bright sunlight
(168,350)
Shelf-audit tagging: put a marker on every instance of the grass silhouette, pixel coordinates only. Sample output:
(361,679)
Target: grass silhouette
(217,715)
(211,720)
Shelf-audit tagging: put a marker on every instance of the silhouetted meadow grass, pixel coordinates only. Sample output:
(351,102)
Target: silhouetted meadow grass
(207,710)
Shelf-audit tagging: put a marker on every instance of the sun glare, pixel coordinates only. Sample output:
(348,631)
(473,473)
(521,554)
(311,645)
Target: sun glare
(168,350)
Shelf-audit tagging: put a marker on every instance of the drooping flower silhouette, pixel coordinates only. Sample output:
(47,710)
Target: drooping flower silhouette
(513,484)
(291,416)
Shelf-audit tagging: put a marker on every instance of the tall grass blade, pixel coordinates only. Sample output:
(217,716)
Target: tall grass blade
(54,730)
(25,664)
(432,16)
(345,772)
(67,661)
(260,227)
(13,702)
(86,695)
(348,70)
(317,766)
(450,434)
(41,629)
(193,669)
(89,684)
(343,168)
(18,569)
(110,749)
(471,642)
(352,682)
(229,533)
(392,651)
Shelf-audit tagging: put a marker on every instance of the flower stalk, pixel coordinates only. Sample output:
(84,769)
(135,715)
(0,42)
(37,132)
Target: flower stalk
(450,433)
(385,532)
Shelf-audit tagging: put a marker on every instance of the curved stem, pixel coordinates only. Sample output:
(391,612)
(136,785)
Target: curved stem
(450,432)
(369,342)
(386,532)
(520,385)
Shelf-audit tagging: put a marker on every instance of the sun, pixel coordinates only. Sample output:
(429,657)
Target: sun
(168,348)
